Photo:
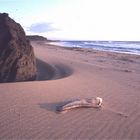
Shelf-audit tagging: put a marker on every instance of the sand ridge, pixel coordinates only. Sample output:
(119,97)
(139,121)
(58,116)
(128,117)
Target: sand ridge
(28,109)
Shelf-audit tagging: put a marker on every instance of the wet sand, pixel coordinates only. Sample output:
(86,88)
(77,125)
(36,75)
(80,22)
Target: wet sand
(28,109)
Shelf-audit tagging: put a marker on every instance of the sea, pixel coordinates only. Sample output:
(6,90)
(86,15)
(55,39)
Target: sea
(130,47)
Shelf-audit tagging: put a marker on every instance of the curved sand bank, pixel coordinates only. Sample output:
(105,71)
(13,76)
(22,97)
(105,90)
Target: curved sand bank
(27,109)
(47,71)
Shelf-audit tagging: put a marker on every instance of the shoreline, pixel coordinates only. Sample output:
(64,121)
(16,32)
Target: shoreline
(91,50)
(28,109)
(55,43)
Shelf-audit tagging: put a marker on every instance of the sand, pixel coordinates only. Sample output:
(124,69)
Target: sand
(28,109)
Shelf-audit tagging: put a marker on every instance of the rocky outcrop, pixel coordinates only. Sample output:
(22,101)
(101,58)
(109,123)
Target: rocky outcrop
(36,38)
(17,60)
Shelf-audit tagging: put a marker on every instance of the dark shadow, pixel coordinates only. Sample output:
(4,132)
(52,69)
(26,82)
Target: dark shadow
(46,71)
(54,107)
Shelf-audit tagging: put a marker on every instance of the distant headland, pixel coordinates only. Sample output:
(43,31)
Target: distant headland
(36,37)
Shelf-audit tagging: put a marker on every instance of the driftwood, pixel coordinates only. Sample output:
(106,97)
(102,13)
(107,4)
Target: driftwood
(89,103)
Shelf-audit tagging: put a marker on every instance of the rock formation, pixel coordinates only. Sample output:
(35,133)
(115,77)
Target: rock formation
(36,38)
(17,60)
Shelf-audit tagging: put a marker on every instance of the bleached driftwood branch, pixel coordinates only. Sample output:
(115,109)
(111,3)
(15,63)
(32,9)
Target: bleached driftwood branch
(93,102)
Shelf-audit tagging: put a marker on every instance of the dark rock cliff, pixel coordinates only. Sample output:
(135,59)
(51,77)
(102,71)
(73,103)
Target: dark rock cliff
(17,60)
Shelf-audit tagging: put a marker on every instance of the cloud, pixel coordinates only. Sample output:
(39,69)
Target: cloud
(41,27)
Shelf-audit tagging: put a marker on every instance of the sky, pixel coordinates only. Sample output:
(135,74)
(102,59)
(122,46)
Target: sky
(77,19)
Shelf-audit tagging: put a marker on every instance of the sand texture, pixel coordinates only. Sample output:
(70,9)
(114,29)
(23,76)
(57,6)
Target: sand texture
(28,109)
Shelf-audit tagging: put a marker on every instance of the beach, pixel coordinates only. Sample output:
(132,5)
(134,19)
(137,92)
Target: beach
(28,109)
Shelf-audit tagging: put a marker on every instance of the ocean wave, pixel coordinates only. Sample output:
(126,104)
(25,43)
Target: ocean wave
(113,46)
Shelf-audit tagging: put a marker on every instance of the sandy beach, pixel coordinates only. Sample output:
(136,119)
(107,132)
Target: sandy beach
(28,109)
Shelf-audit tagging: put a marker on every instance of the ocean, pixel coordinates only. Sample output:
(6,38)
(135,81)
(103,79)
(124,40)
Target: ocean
(130,47)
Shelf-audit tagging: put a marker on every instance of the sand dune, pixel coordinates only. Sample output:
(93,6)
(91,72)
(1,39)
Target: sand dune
(51,72)
(28,109)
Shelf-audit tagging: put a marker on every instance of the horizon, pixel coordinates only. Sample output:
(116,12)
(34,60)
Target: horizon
(77,19)
(84,40)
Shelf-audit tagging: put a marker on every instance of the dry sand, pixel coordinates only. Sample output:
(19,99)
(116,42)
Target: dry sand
(28,109)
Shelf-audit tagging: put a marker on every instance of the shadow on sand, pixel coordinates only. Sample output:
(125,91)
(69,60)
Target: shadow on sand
(54,107)
(46,71)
